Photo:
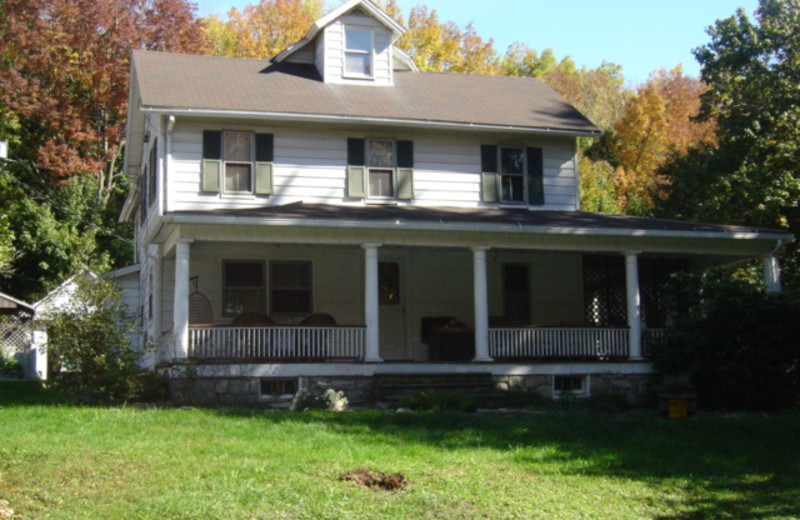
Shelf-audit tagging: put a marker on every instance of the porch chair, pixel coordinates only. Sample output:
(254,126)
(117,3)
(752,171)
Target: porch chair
(309,346)
(250,319)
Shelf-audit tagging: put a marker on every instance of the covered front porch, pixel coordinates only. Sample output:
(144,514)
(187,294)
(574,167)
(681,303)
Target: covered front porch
(423,292)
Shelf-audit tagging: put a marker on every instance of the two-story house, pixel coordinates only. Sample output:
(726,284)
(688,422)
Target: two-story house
(334,213)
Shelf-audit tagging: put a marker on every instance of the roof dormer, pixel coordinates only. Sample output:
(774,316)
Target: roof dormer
(353,44)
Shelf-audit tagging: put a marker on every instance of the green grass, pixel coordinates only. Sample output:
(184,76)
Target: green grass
(59,461)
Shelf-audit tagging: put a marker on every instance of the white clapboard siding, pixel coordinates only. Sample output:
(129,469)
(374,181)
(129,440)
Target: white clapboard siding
(311,166)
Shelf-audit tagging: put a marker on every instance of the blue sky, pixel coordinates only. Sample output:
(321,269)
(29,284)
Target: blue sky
(640,35)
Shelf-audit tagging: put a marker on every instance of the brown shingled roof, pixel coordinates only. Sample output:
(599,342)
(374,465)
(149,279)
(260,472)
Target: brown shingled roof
(180,81)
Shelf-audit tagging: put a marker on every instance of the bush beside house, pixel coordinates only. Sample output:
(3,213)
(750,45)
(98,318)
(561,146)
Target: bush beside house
(738,345)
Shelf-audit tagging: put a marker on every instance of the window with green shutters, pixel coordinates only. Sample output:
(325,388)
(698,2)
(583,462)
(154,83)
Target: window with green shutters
(512,175)
(237,162)
(380,169)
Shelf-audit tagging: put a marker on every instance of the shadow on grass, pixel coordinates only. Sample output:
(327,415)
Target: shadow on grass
(26,392)
(726,466)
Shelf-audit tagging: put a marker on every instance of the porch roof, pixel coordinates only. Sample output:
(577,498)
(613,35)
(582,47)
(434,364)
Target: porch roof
(538,220)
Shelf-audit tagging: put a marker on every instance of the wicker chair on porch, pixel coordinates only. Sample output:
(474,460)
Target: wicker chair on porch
(309,349)
(319,319)
(253,319)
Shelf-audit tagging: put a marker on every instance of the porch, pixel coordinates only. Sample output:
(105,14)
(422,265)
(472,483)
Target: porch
(593,293)
(347,343)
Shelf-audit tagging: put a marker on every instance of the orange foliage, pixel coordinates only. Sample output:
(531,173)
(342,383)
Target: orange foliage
(656,125)
(265,29)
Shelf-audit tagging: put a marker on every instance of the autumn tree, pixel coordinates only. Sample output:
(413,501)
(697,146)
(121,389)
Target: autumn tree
(65,76)
(444,47)
(657,124)
(64,68)
(751,177)
(262,30)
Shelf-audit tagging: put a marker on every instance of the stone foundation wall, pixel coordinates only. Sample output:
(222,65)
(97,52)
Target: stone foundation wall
(637,388)
(225,391)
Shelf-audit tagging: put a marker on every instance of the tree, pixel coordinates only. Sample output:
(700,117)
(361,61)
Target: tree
(89,339)
(443,47)
(54,236)
(751,177)
(521,60)
(262,30)
(65,77)
(656,124)
(738,345)
(64,67)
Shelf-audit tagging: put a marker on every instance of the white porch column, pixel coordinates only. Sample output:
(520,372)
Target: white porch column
(180,318)
(634,305)
(371,316)
(481,305)
(772,274)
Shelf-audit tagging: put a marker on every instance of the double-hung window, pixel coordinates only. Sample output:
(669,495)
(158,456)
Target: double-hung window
(238,158)
(512,175)
(237,162)
(243,287)
(380,168)
(290,287)
(358,53)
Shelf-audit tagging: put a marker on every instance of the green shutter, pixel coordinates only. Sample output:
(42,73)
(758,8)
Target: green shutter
(405,154)
(535,176)
(263,178)
(211,167)
(264,159)
(405,170)
(355,181)
(490,191)
(264,148)
(356,152)
(356,172)
(405,183)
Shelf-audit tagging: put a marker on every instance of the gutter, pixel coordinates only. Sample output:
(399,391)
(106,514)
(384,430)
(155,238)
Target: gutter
(342,119)
(439,226)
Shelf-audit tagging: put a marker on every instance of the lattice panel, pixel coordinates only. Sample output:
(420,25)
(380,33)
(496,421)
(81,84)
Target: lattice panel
(15,334)
(604,291)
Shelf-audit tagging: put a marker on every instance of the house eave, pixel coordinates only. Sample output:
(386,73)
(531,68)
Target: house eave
(475,227)
(380,121)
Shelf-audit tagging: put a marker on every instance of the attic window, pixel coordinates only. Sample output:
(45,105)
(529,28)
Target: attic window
(358,53)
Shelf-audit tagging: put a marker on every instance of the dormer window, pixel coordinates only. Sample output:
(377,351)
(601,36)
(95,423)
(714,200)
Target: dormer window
(358,53)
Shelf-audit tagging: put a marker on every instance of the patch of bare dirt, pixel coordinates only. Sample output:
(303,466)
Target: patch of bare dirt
(377,479)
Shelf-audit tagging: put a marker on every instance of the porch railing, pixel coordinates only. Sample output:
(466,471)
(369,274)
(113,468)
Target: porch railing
(558,343)
(277,342)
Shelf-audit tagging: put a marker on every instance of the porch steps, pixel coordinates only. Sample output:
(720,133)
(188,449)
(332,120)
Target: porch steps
(396,387)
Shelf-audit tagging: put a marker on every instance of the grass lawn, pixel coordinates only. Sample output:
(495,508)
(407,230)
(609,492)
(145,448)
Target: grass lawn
(59,461)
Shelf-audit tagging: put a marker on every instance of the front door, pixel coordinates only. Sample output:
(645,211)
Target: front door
(392,300)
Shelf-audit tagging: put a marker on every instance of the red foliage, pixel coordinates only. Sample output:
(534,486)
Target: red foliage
(64,68)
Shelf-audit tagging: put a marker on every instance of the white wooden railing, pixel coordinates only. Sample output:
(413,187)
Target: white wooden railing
(558,343)
(276,342)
